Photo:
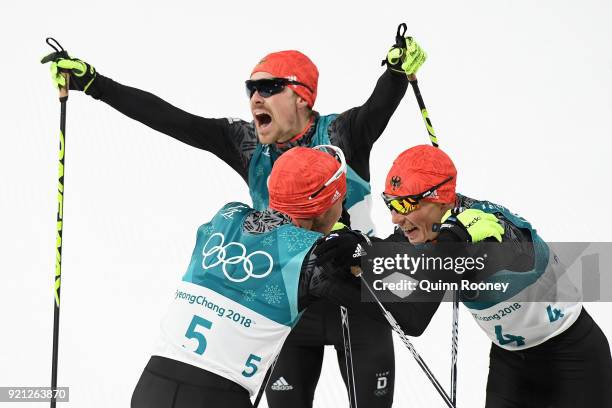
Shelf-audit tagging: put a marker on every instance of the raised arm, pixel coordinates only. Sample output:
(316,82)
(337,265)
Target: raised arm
(356,130)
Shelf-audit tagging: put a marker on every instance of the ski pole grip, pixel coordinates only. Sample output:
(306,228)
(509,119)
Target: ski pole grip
(412,77)
(63,90)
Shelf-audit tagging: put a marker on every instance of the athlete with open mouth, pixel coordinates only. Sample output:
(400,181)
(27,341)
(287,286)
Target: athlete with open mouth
(282,90)
(546,350)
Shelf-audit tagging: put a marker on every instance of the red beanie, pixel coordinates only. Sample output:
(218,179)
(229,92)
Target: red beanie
(295,66)
(299,173)
(420,168)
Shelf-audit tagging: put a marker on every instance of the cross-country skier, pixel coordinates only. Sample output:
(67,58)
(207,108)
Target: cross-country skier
(282,90)
(251,276)
(547,351)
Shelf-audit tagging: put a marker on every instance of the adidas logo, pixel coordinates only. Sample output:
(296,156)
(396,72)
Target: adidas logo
(281,385)
(359,252)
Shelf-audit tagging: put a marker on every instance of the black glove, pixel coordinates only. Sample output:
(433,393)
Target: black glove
(342,249)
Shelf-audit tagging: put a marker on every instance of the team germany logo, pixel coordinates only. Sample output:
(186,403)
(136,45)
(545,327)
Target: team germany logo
(395,182)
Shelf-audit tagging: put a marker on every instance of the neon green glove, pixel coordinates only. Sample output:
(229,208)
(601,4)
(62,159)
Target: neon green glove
(82,75)
(472,225)
(405,56)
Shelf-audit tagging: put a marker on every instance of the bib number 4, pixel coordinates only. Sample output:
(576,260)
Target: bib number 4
(508,338)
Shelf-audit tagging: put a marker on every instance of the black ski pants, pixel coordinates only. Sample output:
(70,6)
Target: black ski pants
(297,370)
(571,370)
(167,383)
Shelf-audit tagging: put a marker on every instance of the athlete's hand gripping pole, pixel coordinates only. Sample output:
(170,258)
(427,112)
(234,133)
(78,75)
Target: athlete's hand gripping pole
(405,51)
(63,98)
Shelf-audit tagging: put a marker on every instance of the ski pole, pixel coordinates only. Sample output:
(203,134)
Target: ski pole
(348,357)
(454,345)
(417,92)
(397,329)
(455,327)
(63,98)
(400,40)
(348,352)
(266,380)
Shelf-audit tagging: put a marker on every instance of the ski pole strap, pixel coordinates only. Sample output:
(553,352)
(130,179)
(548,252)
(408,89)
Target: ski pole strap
(60,52)
(400,37)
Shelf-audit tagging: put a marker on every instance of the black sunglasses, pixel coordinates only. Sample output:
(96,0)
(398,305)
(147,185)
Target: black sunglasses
(269,86)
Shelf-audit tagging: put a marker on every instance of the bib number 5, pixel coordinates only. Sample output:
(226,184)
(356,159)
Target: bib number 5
(250,364)
(193,333)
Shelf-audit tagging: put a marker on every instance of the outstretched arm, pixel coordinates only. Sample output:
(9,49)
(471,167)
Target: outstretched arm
(231,140)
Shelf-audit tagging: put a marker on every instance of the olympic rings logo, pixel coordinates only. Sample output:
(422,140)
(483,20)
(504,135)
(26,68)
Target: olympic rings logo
(215,249)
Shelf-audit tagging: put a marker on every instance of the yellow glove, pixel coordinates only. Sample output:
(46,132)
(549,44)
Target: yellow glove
(472,225)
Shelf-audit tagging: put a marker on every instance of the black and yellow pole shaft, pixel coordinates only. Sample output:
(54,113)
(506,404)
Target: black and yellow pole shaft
(401,41)
(63,98)
(417,93)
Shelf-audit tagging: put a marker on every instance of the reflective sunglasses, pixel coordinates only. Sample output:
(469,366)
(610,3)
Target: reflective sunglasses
(407,204)
(269,86)
(339,155)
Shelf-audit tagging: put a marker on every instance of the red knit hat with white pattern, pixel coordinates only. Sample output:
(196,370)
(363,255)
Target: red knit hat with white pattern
(420,168)
(296,175)
(295,66)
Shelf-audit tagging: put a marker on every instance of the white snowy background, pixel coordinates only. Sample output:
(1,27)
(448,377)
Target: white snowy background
(519,92)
